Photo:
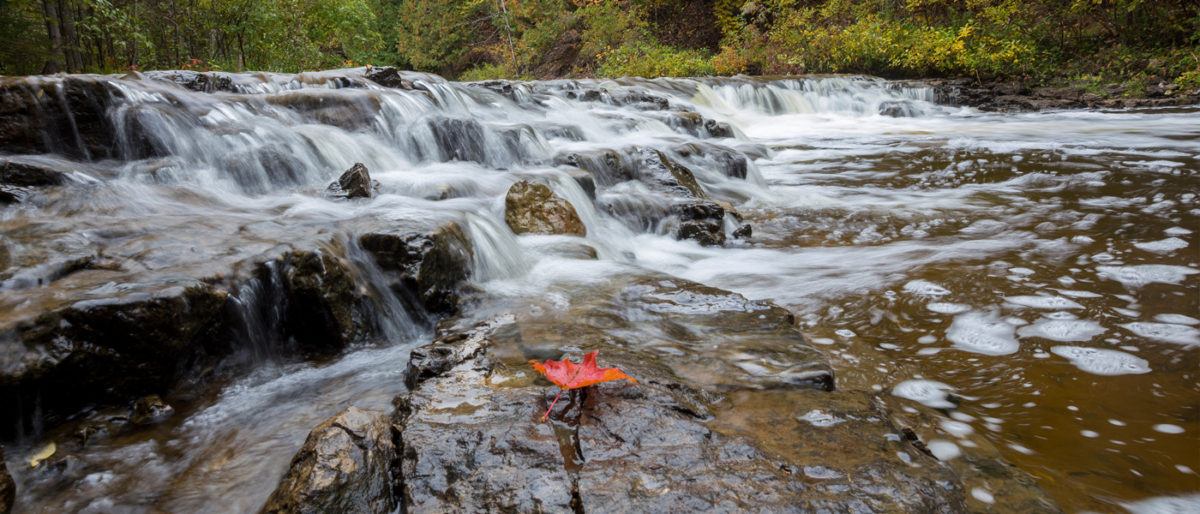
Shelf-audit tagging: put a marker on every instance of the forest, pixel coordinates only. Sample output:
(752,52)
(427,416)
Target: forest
(1041,41)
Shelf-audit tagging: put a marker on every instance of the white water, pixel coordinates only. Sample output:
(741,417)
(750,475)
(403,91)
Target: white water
(857,217)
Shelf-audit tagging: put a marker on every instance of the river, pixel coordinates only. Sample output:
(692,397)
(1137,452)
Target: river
(1035,276)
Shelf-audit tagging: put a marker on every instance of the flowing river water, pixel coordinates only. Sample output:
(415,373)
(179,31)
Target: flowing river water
(1034,276)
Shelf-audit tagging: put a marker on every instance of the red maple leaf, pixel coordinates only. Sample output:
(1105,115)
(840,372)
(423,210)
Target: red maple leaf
(568,375)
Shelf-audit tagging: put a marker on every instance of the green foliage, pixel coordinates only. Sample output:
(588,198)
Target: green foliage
(640,59)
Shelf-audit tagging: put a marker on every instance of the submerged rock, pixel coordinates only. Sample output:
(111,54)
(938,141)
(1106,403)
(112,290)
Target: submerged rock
(8,488)
(532,208)
(344,466)
(354,183)
(148,410)
(31,174)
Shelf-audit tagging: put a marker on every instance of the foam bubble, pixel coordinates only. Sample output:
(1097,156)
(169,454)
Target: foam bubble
(1143,274)
(943,450)
(1089,433)
(1177,231)
(924,288)
(1168,428)
(1167,245)
(1168,332)
(982,333)
(1043,302)
(1062,330)
(947,308)
(928,392)
(1102,362)
(1178,319)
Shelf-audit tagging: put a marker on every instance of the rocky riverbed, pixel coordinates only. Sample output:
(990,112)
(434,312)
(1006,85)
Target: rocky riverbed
(320,292)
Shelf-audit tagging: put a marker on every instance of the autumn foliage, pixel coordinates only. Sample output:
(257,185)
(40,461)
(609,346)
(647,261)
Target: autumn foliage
(568,375)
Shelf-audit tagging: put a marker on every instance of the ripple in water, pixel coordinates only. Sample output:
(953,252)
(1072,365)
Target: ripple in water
(1043,302)
(982,333)
(1102,362)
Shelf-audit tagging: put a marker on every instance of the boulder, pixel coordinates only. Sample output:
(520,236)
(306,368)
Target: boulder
(324,308)
(344,466)
(67,116)
(427,265)
(532,208)
(200,82)
(8,488)
(11,195)
(387,76)
(354,183)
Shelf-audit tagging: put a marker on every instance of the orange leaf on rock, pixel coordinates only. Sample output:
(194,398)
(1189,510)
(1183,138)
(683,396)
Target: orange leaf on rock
(568,375)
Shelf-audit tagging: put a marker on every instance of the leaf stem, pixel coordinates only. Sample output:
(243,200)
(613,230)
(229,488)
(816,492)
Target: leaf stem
(560,392)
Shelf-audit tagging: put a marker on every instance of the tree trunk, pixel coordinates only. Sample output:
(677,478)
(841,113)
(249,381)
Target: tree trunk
(50,13)
(70,39)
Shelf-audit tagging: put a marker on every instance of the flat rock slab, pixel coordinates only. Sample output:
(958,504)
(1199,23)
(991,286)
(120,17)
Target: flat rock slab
(727,438)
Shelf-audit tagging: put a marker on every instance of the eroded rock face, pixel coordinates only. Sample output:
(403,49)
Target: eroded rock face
(8,488)
(532,208)
(354,183)
(431,266)
(342,467)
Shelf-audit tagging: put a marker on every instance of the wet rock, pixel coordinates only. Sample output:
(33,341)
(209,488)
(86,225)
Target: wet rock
(696,125)
(744,231)
(606,166)
(331,107)
(11,195)
(104,351)
(342,467)
(354,183)
(532,208)
(387,76)
(585,180)
(697,433)
(8,488)
(15,172)
(894,109)
(1060,93)
(65,115)
(459,139)
(657,169)
(324,309)
(701,221)
(730,162)
(428,265)
(149,410)
(201,82)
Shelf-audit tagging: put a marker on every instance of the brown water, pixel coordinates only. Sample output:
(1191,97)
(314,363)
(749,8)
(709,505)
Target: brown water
(1034,276)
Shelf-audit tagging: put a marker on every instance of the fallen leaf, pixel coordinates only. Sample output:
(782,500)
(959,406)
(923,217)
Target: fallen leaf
(42,454)
(568,375)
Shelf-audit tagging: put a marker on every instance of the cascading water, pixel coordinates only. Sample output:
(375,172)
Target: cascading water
(1041,267)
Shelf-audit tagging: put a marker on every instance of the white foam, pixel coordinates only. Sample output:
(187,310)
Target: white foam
(982,333)
(1167,245)
(1089,433)
(1062,330)
(1143,274)
(928,392)
(947,308)
(1102,362)
(1166,505)
(1177,231)
(982,495)
(1168,428)
(925,288)
(943,450)
(1043,302)
(1167,332)
(1178,319)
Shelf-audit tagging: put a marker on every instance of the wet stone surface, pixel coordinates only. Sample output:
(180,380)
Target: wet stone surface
(718,439)
(342,467)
